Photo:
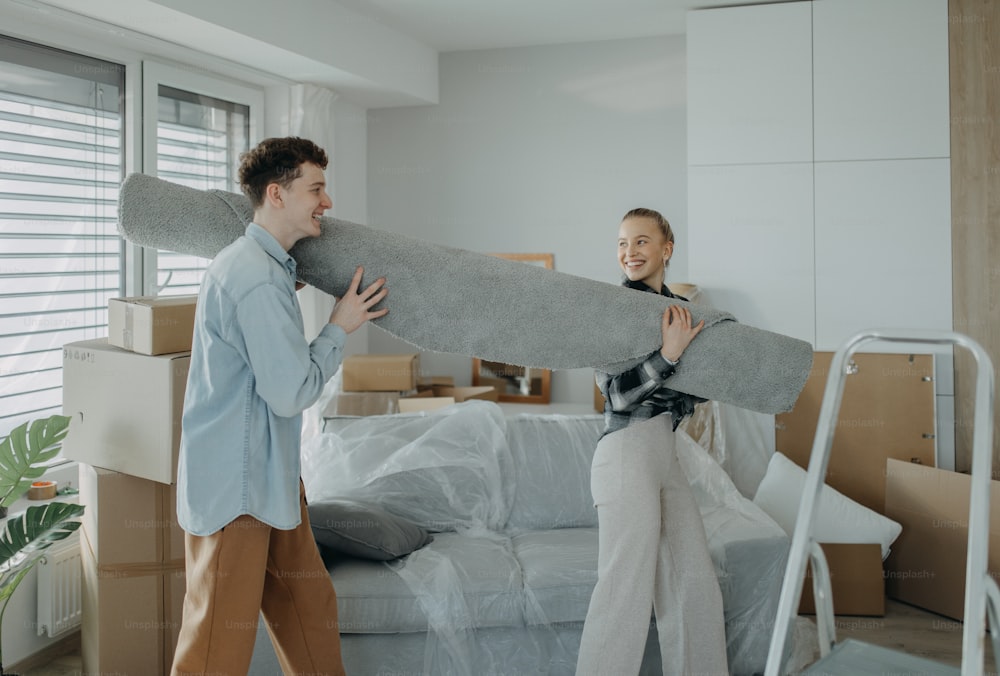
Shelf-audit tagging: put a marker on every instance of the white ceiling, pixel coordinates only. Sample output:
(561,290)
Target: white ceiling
(455,25)
(378,53)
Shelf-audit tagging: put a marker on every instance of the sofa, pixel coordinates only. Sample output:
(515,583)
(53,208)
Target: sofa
(504,543)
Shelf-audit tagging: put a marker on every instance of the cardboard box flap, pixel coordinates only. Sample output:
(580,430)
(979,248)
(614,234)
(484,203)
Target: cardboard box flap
(927,565)
(943,494)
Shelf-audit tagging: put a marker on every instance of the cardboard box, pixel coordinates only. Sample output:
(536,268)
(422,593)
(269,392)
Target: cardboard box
(465,393)
(434,383)
(380,372)
(132,591)
(152,325)
(598,399)
(887,412)
(126,408)
(856,580)
(414,404)
(926,567)
(499,384)
(128,518)
(362,403)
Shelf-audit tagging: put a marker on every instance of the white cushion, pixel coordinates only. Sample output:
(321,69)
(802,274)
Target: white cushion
(838,518)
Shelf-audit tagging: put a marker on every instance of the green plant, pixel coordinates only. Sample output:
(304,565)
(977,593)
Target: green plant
(27,535)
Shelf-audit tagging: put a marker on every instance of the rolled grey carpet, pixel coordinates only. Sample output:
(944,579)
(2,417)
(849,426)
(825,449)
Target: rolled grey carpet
(444,299)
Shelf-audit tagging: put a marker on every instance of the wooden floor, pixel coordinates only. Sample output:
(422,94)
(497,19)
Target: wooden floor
(904,628)
(912,630)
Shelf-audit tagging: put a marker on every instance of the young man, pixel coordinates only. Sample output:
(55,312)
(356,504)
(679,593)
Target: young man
(240,499)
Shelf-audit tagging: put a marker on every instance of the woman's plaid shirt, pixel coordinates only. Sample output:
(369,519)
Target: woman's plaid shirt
(640,392)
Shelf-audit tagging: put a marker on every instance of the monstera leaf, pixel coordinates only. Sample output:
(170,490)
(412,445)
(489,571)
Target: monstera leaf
(23,453)
(26,537)
(23,542)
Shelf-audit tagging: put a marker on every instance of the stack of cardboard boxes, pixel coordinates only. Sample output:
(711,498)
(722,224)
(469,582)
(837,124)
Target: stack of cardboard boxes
(382,384)
(125,395)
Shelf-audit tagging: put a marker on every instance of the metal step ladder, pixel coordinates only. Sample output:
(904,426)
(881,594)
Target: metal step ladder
(982,595)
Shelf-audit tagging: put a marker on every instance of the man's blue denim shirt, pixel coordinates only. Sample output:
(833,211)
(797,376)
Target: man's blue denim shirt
(252,375)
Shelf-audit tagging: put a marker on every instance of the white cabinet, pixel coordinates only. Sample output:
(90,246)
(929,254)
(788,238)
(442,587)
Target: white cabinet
(873,74)
(818,170)
(749,84)
(883,247)
(751,248)
(880,79)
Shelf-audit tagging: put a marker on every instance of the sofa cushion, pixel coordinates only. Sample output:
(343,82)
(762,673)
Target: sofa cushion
(364,530)
(552,452)
(442,469)
(560,571)
(455,582)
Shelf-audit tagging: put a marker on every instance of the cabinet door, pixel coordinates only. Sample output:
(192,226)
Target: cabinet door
(751,253)
(883,247)
(881,79)
(750,84)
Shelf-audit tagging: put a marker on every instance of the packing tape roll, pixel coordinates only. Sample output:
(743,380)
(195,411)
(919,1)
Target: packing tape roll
(42,490)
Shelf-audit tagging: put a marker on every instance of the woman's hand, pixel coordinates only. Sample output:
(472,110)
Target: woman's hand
(354,309)
(678,332)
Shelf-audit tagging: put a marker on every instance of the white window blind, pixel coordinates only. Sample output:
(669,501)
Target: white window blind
(61,163)
(198,143)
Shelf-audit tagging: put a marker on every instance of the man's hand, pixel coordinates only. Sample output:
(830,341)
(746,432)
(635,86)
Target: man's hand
(354,309)
(678,332)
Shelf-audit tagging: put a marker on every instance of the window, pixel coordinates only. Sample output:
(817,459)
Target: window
(198,143)
(62,160)
(61,163)
(201,126)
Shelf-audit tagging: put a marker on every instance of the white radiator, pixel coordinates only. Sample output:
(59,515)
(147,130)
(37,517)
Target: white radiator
(59,575)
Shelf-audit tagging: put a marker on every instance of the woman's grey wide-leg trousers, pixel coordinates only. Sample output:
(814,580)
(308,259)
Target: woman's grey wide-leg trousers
(653,556)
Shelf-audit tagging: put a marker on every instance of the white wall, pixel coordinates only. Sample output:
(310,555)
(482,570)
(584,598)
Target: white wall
(537,149)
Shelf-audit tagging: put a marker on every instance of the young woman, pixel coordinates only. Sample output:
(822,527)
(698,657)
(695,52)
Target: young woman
(653,555)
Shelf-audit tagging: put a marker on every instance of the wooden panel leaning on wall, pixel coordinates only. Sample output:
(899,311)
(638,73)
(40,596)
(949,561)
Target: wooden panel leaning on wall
(887,412)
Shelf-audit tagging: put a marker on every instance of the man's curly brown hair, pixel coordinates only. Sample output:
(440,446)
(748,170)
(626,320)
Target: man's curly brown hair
(276,160)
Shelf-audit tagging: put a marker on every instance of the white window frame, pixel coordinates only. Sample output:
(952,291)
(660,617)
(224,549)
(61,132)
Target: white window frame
(62,29)
(156,73)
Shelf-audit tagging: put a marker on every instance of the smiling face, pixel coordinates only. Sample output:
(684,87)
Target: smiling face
(296,209)
(643,251)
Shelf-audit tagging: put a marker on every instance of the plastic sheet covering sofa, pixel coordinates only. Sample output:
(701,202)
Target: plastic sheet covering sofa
(505,584)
